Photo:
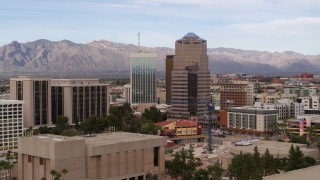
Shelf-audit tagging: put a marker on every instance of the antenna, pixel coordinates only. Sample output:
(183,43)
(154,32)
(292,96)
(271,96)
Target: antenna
(139,41)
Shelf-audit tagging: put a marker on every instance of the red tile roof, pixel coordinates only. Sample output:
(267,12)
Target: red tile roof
(186,123)
(164,123)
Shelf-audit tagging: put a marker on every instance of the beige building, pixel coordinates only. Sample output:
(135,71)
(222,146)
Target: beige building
(36,94)
(190,74)
(115,156)
(127,93)
(79,98)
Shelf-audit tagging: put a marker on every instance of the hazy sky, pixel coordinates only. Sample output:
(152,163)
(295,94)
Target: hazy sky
(270,25)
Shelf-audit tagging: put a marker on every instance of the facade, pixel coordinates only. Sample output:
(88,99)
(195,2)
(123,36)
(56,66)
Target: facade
(11,124)
(127,93)
(180,127)
(79,98)
(300,91)
(286,108)
(113,156)
(143,78)
(236,95)
(190,77)
(250,119)
(299,125)
(36,94)
(169,67)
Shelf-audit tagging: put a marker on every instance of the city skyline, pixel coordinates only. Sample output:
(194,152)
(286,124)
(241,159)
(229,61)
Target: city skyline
(256,25)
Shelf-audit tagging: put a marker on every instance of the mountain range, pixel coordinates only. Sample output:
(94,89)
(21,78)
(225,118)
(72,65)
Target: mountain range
(105,57)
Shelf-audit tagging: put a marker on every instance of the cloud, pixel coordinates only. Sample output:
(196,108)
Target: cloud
(287,27)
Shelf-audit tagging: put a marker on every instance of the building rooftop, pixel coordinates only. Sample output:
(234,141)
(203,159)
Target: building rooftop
(192,36)
(310,173)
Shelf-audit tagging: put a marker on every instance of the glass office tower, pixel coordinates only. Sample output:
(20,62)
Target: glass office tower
(143,78)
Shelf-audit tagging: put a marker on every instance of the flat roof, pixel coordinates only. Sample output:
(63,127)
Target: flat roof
(118,137)
(310,173)
(99,139)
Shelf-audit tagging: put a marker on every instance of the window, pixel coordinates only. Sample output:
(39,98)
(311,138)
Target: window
(156,156)
(29,158)
(41,161)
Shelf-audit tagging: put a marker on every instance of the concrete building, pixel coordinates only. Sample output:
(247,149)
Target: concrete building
(286,108)
(36,94)
(114,156)
(250,119)
(236,95)
(127,93)
(310,173)
(11,124)
(169,68)
(79,98)
(143,78)
(300,91)
(190,77)
(299,125)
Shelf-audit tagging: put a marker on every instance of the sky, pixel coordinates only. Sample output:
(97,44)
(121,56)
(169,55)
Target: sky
(265,25)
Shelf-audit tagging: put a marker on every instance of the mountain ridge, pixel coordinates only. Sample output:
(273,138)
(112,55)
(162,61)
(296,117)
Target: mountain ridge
(65,56)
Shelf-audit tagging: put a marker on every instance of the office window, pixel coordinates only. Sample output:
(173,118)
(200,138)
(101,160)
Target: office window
(29,158)
(41,161)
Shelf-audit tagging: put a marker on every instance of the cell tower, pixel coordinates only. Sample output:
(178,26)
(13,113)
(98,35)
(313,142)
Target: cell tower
(210,126)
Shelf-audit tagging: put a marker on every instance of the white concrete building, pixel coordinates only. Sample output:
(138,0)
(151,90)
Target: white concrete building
(11,124)
(250,119)
(127,93)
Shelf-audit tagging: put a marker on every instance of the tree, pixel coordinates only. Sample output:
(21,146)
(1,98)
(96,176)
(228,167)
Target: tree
(64,172)
(113,120)
(215,171)
(53,173)
(296,159)
(70,132)
(257,171)
(124,114)
(149,128)
(201,174)
(8,163)
(44,130)
(268,163)
(62,124)
(183,164)
(153,114)
(93,125)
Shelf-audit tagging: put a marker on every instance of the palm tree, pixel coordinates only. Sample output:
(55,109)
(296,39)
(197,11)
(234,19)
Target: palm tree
(64,172)
(53,173)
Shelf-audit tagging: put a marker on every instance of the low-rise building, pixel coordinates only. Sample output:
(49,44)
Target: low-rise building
(111,156)
(299,125)
(250,119)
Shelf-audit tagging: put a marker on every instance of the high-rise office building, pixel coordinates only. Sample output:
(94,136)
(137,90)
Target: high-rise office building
(46,99)
(143,78)
(11,124)
(79,99)
(127,93)
(36,94)
(169,67)
(190,77)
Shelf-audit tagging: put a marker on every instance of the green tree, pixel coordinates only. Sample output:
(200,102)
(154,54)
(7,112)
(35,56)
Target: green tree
(64,172)
(257,171)
(8,163)
(62,124)
(124,114)
(113,120)
(70,132)
(201,174)
(153,114)
(296,159)
(44,130)
(93,125)
(268,164)
(149,128)
(183,164)
(215,171)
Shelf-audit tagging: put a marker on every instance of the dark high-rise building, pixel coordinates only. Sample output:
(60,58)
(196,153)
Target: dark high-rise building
(190,77)
(169,67)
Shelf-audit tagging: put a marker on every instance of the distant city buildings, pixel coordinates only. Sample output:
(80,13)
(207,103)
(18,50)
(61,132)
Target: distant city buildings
(236,94)
(190,85)
(11,124)
(143,78)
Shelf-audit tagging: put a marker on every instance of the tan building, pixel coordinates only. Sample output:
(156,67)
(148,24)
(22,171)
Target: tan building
(36,94)
(106,156)
(127,93)
(236,95)
(79,98)
(190,77)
